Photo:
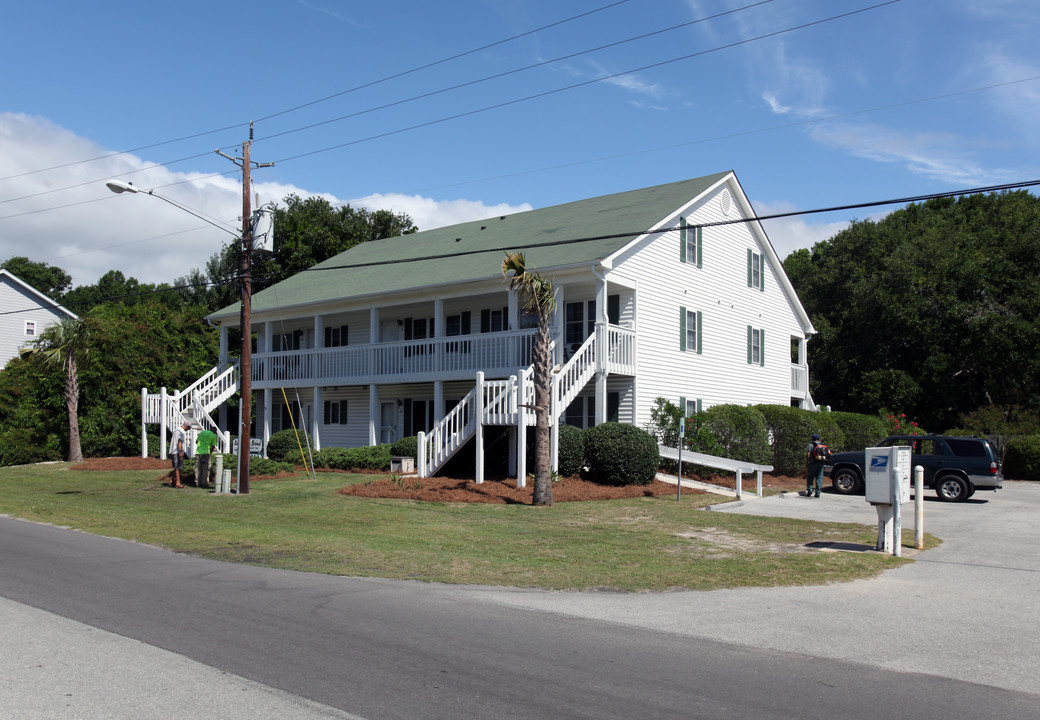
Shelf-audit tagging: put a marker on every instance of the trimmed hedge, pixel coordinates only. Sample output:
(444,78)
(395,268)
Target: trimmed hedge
(360,458)
(621,454)
(1022,458)
(740,432)
(257,466)
(858,431)
(283,447)
(571,454)
(406,447)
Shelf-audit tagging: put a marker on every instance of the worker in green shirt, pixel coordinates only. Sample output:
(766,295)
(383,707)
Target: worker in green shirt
(203,447)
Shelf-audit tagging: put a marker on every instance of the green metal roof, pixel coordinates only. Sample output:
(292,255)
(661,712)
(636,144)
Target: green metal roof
(549,237)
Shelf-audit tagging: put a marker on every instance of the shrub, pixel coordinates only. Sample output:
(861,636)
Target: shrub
(621,454)
(20,446)
(740,432)
(375,457)
(571,454)
(257,466)
(1022,457)
(858,431)
(791,428)
(283,447)
(406,447)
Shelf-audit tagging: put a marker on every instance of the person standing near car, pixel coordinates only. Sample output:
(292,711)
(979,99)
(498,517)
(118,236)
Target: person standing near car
(815,460)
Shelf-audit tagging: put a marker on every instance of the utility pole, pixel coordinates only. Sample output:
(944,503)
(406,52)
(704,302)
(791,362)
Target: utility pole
(245,359)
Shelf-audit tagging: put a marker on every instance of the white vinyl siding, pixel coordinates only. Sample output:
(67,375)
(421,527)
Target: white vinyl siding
(720,372)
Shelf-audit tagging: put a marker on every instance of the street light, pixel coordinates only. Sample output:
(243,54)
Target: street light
(245,359)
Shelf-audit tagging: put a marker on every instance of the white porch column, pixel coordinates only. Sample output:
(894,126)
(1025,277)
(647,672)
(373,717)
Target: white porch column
(317,413)
(513,310)
(164,411)
(222,358)
(558,325)
(438,400)
(144,425)
(373,414)
(478,418)
(267,409)
(601,349)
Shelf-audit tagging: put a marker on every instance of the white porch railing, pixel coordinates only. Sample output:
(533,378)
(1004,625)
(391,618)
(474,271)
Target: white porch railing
(193,404)
(456,357)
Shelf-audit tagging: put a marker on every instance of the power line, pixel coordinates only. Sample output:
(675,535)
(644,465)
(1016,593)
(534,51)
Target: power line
(413,98)
(658,231)
(584,83)
(573,241)
(514,71)
(320,100)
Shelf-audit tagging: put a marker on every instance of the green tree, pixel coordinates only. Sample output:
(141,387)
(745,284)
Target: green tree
(67,344)
(51,281)
(537,296)
(930,311)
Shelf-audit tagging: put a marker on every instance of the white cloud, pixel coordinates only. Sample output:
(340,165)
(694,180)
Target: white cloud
(937,155)
(87,231)
(429,214)
(794,233)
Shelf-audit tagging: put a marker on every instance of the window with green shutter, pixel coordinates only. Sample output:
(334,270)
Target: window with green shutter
(756,270)
(690,324)
(756,351)
(690,243)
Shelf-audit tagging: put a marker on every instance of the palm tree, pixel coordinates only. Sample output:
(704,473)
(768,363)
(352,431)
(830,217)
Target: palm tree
(65,343)
(537,296)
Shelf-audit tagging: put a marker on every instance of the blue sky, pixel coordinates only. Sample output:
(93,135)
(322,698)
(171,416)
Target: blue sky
(810,109)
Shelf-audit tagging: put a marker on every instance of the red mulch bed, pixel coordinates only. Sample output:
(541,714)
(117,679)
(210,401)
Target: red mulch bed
(437,489)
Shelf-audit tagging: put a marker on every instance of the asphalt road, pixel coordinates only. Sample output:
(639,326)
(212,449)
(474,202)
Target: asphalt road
(144,632)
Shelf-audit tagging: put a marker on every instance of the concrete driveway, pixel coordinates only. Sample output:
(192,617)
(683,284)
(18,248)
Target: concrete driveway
(966,610)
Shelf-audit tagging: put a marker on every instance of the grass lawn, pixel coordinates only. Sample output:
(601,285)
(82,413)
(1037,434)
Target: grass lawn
(297,523)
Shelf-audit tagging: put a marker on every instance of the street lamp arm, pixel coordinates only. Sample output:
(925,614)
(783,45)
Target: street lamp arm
(119,187)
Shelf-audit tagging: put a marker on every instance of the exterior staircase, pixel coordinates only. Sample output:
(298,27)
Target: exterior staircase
(504,403)
(192,405)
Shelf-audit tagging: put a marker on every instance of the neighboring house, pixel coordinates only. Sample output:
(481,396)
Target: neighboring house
(662,292)
(25,313)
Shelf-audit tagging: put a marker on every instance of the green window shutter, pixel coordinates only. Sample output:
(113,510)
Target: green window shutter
(699,405)
(614,309)
(682,328)
(761,347)
(700,316)
(762,272)
(682,239)
(682,406)
(700,244)
(749,358)
(750,268)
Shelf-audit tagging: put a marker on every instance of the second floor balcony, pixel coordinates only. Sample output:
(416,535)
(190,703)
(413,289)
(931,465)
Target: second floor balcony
(459,357)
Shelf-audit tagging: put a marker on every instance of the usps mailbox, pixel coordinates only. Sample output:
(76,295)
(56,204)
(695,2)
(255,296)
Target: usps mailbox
(888,475)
